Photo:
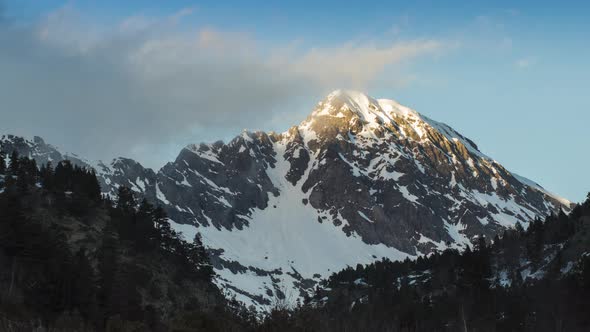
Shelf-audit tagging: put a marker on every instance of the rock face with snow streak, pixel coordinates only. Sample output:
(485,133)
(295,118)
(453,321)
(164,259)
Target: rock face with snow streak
(121,171)
(36,149)
(381,170)
(129,173)
(358,180)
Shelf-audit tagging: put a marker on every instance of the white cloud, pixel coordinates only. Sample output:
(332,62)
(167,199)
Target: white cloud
(146,82)
(357,64)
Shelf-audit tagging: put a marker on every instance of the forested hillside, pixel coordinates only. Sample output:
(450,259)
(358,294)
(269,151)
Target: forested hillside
(72,260)
(527,280)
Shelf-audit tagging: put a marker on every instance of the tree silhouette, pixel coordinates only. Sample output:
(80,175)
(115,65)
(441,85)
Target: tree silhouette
(13,163)
(2,163)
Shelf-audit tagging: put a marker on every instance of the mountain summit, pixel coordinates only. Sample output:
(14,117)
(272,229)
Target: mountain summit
(359,180)
(358,110)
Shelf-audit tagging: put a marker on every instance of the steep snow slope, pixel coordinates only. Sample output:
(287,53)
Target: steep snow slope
(358,180)
(287,238)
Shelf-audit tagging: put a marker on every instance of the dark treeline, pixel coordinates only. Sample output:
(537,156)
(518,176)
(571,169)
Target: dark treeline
(73,260)
(481,289)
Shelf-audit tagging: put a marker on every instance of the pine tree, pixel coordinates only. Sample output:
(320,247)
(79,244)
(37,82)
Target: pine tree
(2,163)
(14,163)
(30,168)
(26,174)
(63,176)
(145,209)
(198,257)
(519,229)
(164,232)
(145,233)
(93,189)
(125,199)
(46,176)
(22,181)
(535,240)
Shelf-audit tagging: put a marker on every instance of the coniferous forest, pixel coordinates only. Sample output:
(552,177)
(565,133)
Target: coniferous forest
(73,260)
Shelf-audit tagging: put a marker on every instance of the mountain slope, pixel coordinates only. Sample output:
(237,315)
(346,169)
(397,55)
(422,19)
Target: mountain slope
(72,260)
(527,280)
(360,179)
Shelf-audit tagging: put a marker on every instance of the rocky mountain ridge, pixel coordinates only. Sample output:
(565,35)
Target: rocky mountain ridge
(358,180)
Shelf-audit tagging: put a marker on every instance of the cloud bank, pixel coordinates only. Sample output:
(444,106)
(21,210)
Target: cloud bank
(147,86)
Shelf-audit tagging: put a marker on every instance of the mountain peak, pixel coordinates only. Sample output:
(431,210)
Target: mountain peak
(367,108)
(345,112)
(360,180)
(352,98)
(350,106)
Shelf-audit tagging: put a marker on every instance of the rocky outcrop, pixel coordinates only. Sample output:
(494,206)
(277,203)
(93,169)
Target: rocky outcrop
(360,179)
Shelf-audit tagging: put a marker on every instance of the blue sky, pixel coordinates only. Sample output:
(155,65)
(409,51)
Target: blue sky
(511,75)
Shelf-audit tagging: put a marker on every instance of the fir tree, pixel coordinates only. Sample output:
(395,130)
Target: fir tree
(125,199)
(63,176)
(198,257)
(13,163)
(519,229)
(2,163)
(145,233)
(535,240)
(22,181)
(92,186)
(46,176)
(164,232)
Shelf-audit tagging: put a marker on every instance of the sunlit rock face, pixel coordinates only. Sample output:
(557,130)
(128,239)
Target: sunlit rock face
(358,180)
(383,171)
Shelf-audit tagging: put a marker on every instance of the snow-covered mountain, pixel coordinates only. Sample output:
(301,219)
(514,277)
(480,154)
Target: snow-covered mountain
(360,179)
